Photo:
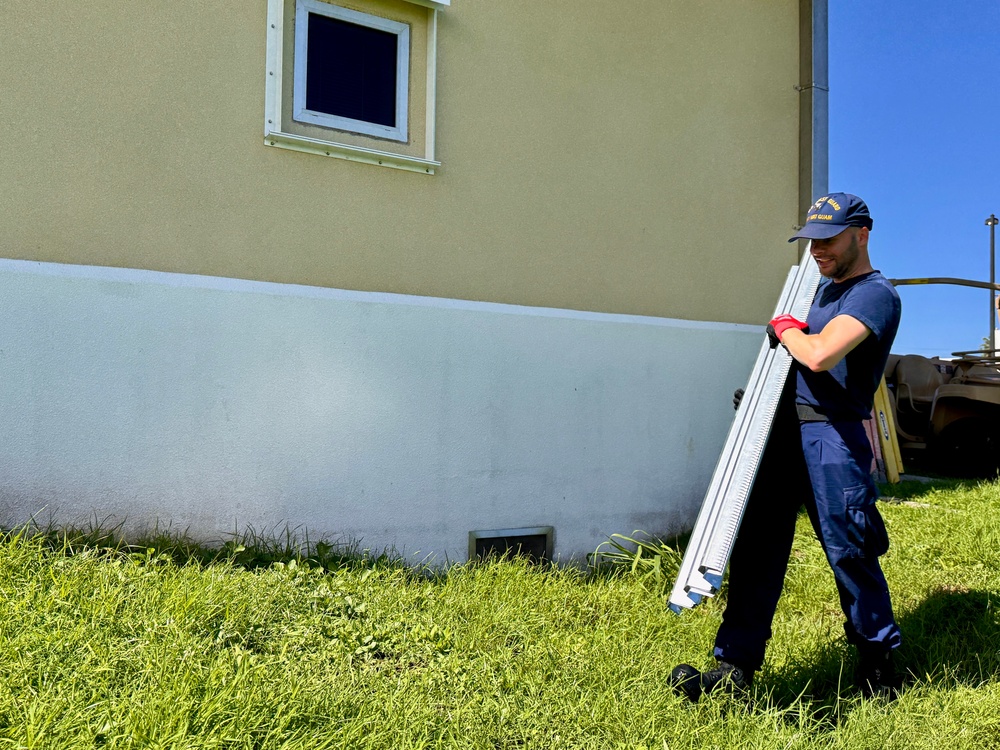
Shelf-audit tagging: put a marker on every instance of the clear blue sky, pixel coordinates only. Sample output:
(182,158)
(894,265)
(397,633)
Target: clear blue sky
(915,131)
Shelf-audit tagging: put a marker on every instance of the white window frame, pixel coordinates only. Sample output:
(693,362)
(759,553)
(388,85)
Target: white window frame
(301,59)
(274,135)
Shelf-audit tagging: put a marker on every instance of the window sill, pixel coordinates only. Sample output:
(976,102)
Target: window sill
(350,153)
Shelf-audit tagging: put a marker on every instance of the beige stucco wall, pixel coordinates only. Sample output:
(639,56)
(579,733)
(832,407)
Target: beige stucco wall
(634,157)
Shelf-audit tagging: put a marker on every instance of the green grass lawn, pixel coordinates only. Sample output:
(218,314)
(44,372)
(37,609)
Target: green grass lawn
(163,648)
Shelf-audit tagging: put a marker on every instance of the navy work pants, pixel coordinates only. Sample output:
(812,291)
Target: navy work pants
(824,466)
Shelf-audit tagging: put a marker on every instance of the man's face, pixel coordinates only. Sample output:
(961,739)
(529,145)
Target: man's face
(837,257)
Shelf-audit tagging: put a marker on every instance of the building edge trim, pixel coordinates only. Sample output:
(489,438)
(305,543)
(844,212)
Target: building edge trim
(278,289)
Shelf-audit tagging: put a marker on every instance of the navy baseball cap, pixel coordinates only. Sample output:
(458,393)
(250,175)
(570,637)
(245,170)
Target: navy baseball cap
(831,215)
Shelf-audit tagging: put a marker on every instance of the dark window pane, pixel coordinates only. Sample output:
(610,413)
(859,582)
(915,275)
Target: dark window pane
(351,71)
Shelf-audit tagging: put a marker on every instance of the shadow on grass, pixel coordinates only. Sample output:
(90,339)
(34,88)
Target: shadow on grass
(953,635)
(951,638)
(915,489)
(248,549)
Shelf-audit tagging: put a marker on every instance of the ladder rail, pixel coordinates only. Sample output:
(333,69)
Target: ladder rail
(724,534)
(717,524)
(691,576)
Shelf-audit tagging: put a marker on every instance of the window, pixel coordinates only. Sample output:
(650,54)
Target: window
(351,70)
(354,83)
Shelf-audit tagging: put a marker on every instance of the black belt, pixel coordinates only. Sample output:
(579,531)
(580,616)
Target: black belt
(809,414)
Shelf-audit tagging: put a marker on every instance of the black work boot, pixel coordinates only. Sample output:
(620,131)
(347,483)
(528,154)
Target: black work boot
(876,675)
(728,678)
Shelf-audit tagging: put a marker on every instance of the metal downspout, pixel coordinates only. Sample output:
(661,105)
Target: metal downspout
(814,103)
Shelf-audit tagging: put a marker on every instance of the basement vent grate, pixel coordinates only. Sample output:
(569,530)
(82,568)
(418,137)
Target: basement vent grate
(533,543)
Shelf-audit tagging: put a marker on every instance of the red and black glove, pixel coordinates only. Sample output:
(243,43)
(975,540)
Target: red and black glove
(779,325)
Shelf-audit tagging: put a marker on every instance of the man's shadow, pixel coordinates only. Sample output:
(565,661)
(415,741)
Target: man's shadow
(951,637)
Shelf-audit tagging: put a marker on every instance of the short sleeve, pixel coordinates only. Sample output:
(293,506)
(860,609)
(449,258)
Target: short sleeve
(876,304)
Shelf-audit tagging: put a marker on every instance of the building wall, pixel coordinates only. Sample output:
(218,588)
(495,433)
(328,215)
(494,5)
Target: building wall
(207,405)
(206,333)
(623,158)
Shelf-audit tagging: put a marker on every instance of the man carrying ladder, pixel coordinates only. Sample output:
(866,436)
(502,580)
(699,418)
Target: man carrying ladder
(818,454)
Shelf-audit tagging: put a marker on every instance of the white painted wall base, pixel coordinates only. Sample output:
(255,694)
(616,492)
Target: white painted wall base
(206,405)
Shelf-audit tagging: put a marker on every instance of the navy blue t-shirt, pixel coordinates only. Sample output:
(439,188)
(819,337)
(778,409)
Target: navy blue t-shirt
(847,391)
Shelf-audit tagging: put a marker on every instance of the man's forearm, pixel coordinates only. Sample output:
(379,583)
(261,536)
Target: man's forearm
(823,351)
(808,350)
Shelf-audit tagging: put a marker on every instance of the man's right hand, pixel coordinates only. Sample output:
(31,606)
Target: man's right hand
(737,398)
(777,327)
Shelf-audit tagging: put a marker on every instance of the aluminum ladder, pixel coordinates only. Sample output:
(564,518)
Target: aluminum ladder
(711,544)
